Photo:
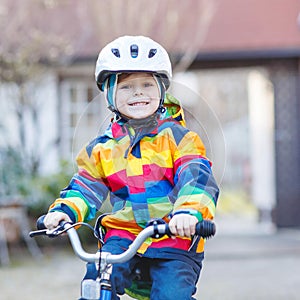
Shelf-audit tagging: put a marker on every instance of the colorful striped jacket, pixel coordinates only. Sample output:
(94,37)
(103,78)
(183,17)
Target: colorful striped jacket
(147,172)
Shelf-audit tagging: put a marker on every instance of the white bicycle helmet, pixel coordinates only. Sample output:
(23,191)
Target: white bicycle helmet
(133,54)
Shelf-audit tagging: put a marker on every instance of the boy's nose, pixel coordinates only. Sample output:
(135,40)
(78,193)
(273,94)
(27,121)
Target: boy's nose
(138,91)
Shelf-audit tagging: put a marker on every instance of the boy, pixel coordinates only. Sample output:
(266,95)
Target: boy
(149,165)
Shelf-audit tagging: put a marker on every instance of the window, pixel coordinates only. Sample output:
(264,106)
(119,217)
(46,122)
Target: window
(83,113)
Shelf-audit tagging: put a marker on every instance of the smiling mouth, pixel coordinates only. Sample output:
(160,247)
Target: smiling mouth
(139,103)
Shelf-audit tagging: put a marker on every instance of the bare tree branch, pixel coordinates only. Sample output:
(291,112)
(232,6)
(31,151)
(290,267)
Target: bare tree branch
(206,9)
(26,51)
(168,21)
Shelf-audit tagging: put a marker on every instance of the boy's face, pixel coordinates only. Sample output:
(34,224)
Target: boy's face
(137,95)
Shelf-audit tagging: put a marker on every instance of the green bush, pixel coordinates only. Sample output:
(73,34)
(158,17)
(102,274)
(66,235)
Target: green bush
(45,189)
(19,186)
(14,177)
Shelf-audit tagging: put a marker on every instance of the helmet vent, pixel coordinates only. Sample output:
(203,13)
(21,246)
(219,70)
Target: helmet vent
(134,51)
(152,52)
(115,52)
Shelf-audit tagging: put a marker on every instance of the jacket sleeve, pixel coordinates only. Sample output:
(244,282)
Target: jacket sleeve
(87,190)
(195,185)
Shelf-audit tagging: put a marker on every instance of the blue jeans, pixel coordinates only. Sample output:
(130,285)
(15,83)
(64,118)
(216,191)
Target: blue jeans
(171,278)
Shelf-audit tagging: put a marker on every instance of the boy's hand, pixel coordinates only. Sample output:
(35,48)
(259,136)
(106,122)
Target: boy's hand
(183,225)
(52,219)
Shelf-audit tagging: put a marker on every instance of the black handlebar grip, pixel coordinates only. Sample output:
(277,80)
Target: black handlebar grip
(40,223)
(206,229)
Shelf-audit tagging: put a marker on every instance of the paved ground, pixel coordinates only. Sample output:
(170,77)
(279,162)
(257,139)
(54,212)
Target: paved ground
(258,267)
(249,263)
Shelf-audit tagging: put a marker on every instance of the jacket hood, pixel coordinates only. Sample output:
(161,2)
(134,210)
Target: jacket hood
(173,109)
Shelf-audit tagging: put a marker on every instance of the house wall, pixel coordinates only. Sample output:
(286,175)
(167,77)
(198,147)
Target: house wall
(47,94)
(284,74)
(285,77)
(232,110)
(262,146)
(83,114)
(40,121)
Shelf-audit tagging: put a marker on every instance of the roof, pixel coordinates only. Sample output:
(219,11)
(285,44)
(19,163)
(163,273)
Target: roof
(206,27)
(254,25)
(225,26)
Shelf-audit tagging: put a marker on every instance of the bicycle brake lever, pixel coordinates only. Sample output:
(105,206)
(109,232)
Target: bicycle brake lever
(49,232)
(54,232)
(37,232)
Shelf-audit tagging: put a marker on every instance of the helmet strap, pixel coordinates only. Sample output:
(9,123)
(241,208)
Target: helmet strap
(162,91)
(110,91)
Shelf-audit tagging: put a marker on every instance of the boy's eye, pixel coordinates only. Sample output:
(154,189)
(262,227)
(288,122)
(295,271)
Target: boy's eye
(148,84)
(125,87)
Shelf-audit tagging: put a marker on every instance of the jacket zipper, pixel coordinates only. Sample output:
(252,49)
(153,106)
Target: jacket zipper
(133,140)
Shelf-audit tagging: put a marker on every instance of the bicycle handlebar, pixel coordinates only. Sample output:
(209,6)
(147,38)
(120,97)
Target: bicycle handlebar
(204,229)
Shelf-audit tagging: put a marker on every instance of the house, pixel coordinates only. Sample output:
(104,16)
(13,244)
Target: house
(248,49)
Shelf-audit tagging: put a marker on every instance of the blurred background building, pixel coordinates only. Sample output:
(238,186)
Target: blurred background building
(236,71)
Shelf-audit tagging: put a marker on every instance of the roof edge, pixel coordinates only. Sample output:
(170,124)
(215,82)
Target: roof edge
(249,54)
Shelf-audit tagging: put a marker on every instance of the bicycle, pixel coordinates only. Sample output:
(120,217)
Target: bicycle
(100,289)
